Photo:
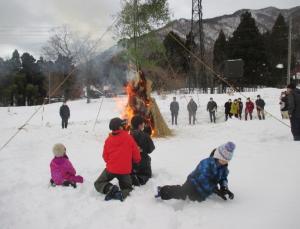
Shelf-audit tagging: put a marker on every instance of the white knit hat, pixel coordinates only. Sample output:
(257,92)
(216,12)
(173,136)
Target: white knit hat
(59,150)
(225,152)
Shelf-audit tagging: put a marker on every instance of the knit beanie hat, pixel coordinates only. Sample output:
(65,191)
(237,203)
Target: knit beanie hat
(59,150)
(225,152)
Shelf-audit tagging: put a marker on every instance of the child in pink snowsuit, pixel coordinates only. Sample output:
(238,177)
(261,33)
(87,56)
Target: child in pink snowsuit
(62,170)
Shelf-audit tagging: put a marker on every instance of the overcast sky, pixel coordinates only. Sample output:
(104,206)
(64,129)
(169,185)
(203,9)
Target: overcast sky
(25,24)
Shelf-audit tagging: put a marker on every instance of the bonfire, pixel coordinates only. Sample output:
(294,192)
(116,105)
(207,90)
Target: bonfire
(141,103)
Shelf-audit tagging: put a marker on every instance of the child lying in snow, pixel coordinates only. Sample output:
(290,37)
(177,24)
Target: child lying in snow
(204,180)
(62,170)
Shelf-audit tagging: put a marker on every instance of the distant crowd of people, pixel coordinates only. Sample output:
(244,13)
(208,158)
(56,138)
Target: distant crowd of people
(232,109)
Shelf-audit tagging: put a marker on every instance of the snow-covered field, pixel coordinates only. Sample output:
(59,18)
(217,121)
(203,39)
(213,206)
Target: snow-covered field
(264,173)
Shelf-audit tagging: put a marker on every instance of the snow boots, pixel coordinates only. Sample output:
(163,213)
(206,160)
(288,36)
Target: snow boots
(158,195)
(114,193)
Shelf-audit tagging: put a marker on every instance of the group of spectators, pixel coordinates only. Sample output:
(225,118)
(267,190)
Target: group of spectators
(234,108)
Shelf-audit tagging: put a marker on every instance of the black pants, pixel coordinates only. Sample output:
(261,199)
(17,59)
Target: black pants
(246,115)
(212,115)
(240,115)
(192,115)
(226,116)
(102,184)
(64,122)
(180,192)
(142,172)
(174,118)
(295,128)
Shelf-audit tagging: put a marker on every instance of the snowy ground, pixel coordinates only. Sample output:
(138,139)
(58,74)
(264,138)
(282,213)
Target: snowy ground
(264,173)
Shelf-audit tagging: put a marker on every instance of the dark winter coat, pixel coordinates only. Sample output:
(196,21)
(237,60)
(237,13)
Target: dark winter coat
(227,107)
(192,107)
(284,103)
(207,175)
(260,104)
(294,103)
(240,107)
(119,151)
(249,107)
(64,112)
(146,146)
(174,107)
(211,106)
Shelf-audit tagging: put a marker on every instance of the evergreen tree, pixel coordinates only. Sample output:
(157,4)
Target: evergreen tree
(278,51)
(247,43)
(174,51)
(15,62)
(220,51)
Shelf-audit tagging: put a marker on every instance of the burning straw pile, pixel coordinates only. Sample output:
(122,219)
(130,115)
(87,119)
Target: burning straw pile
(141,103)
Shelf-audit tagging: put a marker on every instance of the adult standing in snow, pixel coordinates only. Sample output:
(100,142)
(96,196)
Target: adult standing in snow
(174,108)
(284,105)
(260,107)
(142,172)
(205,179)
(249,109)
(212,109)
(64,113)
(227,109)
(192,109)
(294,110)
(234,110)
(240,110)
(119,152)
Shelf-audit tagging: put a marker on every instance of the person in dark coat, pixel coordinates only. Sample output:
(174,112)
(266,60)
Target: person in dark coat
(249,109)
(227,109)
(192,109)
(260,107)
(142,172)
(212,109)
(174,108)
(119,152)
(64,113)
(284,105)
(294,110)
(240,111)
(210,176)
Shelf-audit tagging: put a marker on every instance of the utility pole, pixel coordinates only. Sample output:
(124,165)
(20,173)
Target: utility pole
(197,31)
(289,52)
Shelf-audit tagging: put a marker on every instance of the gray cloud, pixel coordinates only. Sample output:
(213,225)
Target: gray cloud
(25,24)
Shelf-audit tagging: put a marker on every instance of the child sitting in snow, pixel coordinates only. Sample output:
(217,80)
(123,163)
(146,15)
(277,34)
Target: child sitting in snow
(62,170)
(119,152)
(204,180)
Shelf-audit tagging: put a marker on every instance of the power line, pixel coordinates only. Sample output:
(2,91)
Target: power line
(221,78)
(50,95)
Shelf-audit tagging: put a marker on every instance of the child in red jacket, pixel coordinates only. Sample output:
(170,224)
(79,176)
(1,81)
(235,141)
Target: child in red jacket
(120,151)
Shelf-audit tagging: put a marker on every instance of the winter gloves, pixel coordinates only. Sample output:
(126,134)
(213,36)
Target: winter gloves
(223,191)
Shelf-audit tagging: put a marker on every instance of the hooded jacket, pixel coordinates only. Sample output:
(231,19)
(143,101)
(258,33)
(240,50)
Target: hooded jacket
(294,103)
(119,152)
(207,175)
(63,170)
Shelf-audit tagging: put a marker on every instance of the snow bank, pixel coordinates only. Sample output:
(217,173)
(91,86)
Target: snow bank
(263,173)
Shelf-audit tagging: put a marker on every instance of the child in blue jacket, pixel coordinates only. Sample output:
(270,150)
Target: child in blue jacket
(205,179)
